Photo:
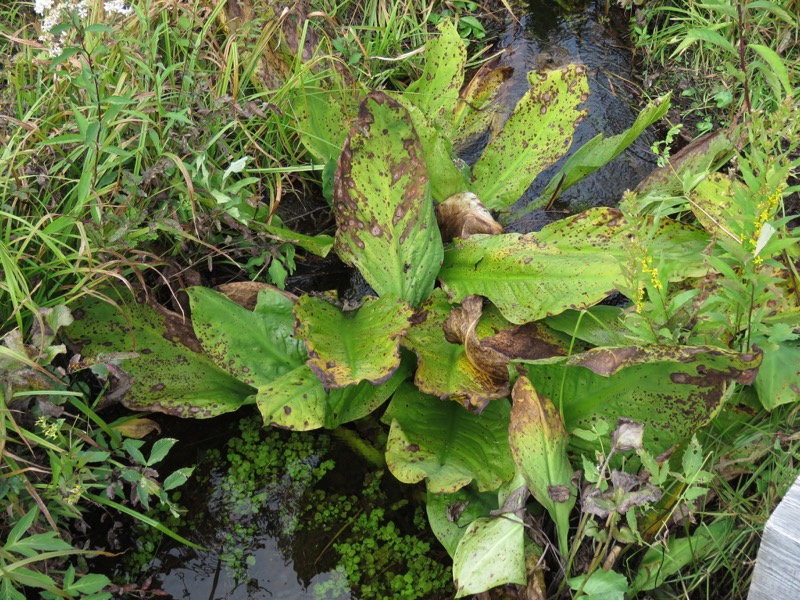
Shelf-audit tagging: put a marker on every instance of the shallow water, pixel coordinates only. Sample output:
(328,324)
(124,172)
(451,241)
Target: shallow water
(549,36)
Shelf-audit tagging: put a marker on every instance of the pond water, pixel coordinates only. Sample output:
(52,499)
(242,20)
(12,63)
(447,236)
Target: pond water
(278,519)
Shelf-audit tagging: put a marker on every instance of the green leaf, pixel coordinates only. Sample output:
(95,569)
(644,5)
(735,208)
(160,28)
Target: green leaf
(323,118)
(705,35)
(491,553)
(660,563)
(38,543)
(22,526)
(445,178)
(318,245)
(536,135)
(598,325)
(436,91)
(539,443)
(298,400)
(254,346)
(160,450)
(170,372)
(672,399)
(177,478)
(599,151)
(346,349)
(601,585)
(447,444)
(449,526)
(91,583)
(532,276)
(386,223)
(778,379)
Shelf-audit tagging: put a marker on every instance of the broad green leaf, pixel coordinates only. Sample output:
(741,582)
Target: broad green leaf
(386,223)
(344,350)
(662,562)
(436,91)
(447,444)
(445,178)
(599,151)
(601,585)
(778,379)
(170,372)
(537,134)
(298,400)
(476,106)
(529,277)
(90,583)
(672,399)
(254,346)
(324,117)
(319,245)
(491,553)
(449,514)
(539,443)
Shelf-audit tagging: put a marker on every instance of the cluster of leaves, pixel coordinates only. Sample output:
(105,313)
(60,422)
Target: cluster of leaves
(505,375)
(57,454)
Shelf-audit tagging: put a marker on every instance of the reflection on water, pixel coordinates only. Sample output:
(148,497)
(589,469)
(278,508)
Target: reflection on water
(549,36)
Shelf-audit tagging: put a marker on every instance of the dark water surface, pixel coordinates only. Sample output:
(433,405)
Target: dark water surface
(285,566)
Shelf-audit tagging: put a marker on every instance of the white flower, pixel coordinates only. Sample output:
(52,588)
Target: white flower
(118,7)
(42,6)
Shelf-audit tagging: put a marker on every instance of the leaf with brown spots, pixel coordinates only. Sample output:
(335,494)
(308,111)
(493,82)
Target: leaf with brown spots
(539,445)
(254,346)
(436,91)
(443,367)
(347,349)
(298,400)
(382,203)
(598,152)
(570,264)
(477,106)
(672,399)
(537,134)
(446,444)
(171,373)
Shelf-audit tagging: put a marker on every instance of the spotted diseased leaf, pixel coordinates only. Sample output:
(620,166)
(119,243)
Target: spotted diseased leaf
(491,553)
(298,400)
(463,352)
(347,349)
(255,346)
(737,366)
(536,135)
(449,514)
(539,445)
(532,276)
(446,444)
(476,106)
(167,370)
(443,367)
(382,204)
(436,91)
(671,399)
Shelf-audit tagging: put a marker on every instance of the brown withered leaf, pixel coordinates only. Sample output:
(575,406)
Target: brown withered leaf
(245,293)
(459,328)
(463,215)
